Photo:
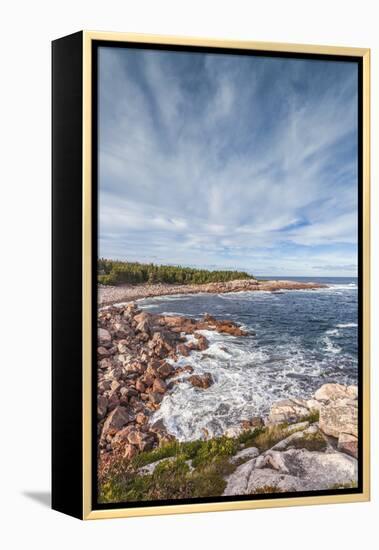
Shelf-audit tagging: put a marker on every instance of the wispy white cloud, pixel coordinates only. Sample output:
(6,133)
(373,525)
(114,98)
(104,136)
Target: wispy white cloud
(236,162)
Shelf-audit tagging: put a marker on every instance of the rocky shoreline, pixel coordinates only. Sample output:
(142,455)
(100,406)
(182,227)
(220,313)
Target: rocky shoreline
(134,373)
(301,445)
(110,295)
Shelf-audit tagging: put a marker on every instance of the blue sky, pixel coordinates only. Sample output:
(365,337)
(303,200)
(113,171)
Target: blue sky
(228,161)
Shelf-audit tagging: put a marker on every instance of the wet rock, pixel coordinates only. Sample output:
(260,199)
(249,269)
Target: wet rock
(158,425)
(159,386)
(230,328)
(165,370)
(155,398)
(182,349)
(203,381)
(185,369)
(202,343)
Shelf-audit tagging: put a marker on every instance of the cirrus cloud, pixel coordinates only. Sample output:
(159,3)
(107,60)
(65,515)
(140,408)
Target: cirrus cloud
(228,161)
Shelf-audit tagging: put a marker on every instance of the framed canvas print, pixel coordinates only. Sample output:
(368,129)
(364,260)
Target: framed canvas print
(210,275)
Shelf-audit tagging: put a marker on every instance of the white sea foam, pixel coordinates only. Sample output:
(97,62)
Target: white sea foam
(330,347)
(333,332)
(248,378)
(252,372)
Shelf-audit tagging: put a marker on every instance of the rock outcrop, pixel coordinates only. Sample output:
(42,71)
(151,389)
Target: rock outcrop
(337,407)
(292,470)
(308,456)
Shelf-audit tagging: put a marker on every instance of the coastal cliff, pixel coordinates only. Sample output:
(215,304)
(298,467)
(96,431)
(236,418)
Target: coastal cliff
(301,444)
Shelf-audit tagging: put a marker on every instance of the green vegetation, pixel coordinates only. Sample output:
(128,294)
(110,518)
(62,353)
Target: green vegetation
(193,468)
(115,272)
(313,417)
(187,470)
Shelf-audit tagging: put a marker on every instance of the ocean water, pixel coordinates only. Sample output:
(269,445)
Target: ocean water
(297,341)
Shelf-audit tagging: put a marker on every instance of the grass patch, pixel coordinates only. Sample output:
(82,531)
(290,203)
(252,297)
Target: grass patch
(200,452)
(270,436)
(166,451)
(171,479)
(312,417)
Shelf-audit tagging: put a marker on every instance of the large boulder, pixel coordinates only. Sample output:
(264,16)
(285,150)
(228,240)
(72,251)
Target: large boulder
(288,410)
(339,416)
(332,392)
(292,470)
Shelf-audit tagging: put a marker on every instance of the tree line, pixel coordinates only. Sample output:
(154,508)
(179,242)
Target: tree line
(112,272)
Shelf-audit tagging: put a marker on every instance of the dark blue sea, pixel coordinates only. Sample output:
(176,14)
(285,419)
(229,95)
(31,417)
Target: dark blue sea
(298,340)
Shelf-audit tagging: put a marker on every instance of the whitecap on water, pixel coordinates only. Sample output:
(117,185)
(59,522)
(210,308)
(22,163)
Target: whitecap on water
(330,347)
